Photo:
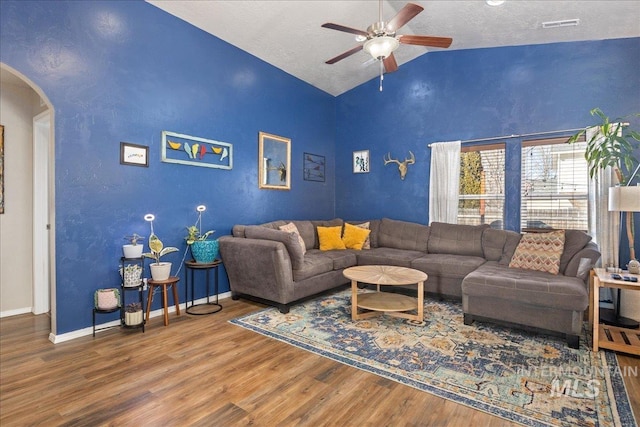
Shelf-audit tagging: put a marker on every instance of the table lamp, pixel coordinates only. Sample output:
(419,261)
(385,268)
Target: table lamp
(625,199)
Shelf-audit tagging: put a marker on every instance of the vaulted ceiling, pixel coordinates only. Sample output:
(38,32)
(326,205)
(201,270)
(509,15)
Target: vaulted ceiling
(288,34)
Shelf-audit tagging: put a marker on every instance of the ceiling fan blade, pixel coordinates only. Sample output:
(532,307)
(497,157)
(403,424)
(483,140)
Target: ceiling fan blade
(443,42)
(406,14)
(344,55)
(390,64)
(344,29)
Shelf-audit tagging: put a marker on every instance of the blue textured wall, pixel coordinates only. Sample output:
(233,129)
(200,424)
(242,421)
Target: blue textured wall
(126,71)
(469,94)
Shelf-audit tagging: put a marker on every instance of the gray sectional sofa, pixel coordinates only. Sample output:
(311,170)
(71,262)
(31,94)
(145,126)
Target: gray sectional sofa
(462,261)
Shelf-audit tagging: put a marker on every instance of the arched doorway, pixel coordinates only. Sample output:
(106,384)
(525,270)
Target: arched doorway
(30,118)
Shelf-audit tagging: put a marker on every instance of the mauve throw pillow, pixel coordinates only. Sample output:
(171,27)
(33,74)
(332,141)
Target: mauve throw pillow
(291,228)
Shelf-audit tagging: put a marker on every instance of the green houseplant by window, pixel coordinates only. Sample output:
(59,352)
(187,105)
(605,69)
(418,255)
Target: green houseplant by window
(615,145)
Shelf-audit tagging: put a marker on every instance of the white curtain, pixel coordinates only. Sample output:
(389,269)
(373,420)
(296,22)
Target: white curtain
(444,182)
(604,226)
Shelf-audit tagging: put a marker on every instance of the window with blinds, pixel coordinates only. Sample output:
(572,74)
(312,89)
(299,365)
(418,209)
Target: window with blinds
(481,195)
(554,185)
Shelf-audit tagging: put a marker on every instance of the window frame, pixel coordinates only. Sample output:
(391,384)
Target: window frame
(495,196)
(551,141)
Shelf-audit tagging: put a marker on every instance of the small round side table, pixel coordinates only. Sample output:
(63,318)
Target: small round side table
(204,308)
(171,281)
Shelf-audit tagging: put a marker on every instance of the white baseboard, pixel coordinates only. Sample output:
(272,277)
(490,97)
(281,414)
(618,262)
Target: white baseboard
(15,312)
(56,339)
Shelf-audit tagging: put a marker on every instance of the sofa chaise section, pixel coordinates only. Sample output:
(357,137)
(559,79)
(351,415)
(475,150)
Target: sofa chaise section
(538,299)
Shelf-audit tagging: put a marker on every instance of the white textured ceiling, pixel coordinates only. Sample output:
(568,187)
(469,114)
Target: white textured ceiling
(288,34)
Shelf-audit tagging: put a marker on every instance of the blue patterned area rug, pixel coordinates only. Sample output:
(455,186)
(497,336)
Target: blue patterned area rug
(524,377)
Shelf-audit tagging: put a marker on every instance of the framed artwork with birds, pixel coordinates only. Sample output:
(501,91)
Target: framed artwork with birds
(195,151)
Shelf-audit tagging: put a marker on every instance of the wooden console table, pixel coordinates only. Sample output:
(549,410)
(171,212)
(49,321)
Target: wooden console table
(606,336)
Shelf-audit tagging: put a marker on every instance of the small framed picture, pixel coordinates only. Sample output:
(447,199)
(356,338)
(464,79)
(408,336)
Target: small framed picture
(361,161)
(313,167)
(134,154)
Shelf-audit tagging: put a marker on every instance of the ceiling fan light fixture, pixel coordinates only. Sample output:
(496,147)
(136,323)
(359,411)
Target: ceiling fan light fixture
(381,47)
(495,2)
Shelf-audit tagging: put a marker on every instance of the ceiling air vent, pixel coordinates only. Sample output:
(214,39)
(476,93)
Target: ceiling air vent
(563,23)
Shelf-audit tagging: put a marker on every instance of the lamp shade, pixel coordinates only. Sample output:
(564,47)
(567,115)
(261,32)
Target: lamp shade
(381,47)
(624,199)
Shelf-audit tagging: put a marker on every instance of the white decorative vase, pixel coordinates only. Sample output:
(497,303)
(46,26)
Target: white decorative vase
(132,251)
(132,319)
(160,271)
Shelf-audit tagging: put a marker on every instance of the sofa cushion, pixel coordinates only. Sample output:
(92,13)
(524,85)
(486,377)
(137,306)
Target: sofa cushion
(341,259)
(526,286)
(238,230)
(354,237)
(446,265)
(330,238)
(274,224)
(403,235)
(539,251)
(456,239)
(388,256)
(315,263)
(291,228)
(574,241)
(510,246)
(290,241)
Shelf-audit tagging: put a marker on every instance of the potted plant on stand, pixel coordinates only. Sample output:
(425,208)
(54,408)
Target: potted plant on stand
(159,270)
(133,314)
(203,250)
(133,249)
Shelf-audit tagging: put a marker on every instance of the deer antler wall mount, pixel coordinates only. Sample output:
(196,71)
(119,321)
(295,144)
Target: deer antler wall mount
(402,166)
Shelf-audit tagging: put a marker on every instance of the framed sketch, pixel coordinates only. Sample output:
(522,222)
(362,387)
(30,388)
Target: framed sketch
(361,161)
(196,151)
(134,154)
(313,167)
(274,162)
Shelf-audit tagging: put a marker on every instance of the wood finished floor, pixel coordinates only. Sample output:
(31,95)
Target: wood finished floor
(201,370)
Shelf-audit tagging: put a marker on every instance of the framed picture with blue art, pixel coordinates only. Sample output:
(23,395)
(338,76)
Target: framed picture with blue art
(361,161)
(313,167)
(195,151)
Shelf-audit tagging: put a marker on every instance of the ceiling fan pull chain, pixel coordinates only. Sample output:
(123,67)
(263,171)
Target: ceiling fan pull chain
(381,73)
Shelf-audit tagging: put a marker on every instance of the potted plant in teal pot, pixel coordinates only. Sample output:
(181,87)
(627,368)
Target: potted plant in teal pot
(203,250)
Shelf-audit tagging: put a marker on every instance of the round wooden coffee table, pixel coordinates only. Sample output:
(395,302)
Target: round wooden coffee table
(388,303)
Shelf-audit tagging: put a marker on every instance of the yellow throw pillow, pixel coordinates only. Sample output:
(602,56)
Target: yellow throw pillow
(330,238)
(354,236)
(539,251)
